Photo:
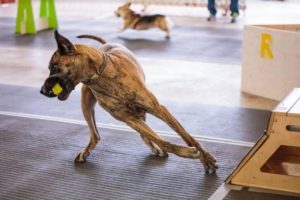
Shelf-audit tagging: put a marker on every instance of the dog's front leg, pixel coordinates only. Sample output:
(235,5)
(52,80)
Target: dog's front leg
(126,25)
(208,161)
(123,27)
(88,102)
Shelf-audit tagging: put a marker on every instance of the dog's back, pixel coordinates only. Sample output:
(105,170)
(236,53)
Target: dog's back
(147,21)
(119,54)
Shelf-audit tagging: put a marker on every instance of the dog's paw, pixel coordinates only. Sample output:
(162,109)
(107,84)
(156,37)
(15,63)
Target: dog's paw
(194,152)
(160,153)
(157,151)
(209,163)
(81,157)
(187,152)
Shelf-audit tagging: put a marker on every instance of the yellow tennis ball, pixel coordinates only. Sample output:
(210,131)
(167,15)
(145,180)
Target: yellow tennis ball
(57,89)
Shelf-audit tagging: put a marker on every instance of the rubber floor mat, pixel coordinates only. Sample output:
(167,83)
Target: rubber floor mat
(37,163)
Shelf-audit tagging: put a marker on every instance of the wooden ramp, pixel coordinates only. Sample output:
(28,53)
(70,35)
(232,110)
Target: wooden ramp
(274,162)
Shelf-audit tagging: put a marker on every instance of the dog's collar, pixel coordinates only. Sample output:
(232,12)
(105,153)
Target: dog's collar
(99,71)
(103,65)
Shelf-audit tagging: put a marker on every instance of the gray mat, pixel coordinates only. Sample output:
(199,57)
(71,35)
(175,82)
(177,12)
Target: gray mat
(37,163)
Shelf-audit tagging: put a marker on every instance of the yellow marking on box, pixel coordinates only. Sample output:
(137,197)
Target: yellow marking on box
(265,49)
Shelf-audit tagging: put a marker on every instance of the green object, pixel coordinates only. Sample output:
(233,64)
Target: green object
(25,15)
(47,9)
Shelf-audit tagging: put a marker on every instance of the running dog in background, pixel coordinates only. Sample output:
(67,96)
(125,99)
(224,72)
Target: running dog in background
(139,22)
(113,78)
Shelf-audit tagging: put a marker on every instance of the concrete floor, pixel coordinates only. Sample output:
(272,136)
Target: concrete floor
(206,70)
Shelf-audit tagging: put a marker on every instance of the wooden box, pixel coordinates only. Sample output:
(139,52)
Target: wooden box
(271,60)
(274,161)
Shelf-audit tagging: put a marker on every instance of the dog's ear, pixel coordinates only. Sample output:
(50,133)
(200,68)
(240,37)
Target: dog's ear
(128,4)
(63,44)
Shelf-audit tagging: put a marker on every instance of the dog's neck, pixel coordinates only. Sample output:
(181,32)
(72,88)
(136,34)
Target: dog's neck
(103,65)
(129,14)
(96,60)
(100,68)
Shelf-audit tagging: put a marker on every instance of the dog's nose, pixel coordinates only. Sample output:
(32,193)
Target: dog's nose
(43,91)
(46,92)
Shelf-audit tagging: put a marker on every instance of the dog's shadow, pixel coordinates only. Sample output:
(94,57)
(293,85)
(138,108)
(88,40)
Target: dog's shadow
(148,44)
(152,161)
(151,164)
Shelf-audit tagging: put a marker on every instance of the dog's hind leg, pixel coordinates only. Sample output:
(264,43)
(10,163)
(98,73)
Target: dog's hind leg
(167,34)
(208,161)
(88,102)
(154,147)
(165,29)
(146,132)
(165,24)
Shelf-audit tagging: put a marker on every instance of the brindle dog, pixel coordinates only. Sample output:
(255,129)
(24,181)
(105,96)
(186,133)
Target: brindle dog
(138,22)
(113,78)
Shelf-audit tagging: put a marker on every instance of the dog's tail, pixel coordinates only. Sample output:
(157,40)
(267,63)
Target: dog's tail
(102,41)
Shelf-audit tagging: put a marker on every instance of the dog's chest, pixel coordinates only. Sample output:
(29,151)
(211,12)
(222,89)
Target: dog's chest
(113,90)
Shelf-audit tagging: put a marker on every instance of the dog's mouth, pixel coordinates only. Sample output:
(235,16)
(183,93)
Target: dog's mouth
(66,85)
